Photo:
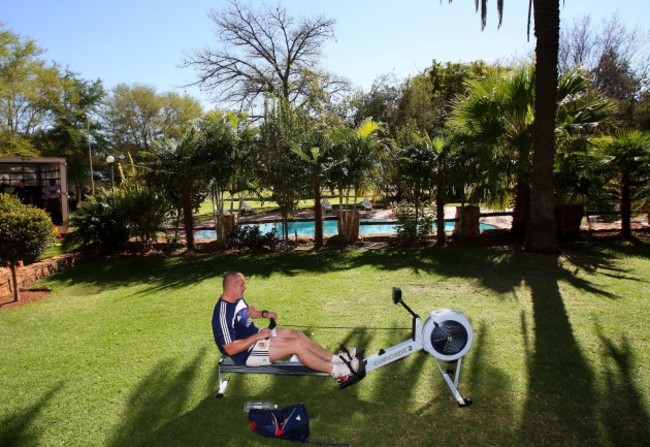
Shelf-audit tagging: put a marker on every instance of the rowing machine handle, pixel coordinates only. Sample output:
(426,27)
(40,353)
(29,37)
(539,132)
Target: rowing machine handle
(272,325)
(397,299)
(397,295)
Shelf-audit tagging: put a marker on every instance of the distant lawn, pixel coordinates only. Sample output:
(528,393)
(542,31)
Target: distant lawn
(264,206)
(52,251)
(121,353)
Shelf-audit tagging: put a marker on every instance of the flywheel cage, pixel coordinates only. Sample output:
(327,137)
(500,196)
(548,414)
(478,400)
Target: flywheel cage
(449,338)
(447,335)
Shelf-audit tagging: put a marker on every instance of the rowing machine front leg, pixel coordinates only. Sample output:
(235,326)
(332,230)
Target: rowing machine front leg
(223,381)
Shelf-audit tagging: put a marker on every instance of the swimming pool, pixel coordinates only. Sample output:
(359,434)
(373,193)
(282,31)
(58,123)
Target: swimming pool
(306,228)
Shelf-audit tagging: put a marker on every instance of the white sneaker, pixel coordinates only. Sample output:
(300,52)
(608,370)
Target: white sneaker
(342,372)
(348,355)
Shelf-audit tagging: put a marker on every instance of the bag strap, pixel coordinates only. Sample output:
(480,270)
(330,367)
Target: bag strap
(333,444)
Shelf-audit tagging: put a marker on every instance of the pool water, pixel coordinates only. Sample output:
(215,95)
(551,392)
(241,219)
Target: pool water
(306,228)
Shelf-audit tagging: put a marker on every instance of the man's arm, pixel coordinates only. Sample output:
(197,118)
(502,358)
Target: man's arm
(256,313)
(243,344)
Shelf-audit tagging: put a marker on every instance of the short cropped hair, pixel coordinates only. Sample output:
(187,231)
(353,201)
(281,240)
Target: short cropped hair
(228,277)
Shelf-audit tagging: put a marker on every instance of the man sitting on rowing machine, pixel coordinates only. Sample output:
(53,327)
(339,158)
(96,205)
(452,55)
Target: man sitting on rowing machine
(237,337)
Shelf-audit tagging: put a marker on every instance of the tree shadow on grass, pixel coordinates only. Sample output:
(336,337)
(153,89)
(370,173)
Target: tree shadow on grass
(561,404)
(495,267)
(161,396)
(16,430)
(175,273)
(623,415)
(373,412)
(561,398)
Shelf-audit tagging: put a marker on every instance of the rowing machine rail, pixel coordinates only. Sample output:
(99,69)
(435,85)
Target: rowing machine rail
(283,368)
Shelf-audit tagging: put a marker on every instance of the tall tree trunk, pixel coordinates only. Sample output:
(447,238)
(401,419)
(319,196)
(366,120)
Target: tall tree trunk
(541,235)
(14,281)
(178,219)
(188,218)
(626,205)
(521,209)
(441,237)
(318,215)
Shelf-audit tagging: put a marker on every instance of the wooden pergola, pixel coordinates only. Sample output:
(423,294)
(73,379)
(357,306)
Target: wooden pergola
(36,172)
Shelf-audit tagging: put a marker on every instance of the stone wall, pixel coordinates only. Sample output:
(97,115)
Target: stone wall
(29,274)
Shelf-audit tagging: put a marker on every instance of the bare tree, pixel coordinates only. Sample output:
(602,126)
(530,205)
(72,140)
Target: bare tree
(577,45)
(610,43)
(264,52)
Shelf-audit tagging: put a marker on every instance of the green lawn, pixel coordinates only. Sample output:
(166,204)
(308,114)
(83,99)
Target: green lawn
(121,353)
(260,207)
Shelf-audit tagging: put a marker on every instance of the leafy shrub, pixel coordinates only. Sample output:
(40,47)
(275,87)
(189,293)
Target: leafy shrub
(146,210)
(25,232)
(414,229)
(110,217)
(251,237)
(98,222)
(336,241)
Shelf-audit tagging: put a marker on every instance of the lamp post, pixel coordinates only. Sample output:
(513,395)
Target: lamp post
(110,160)
(90,157)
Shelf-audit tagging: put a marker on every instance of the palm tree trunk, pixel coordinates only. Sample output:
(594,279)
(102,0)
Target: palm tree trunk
(188,218)
(318,216)
(178,220)
(217,211)
(521,209)
(626,205)
(541,235)
(441,237)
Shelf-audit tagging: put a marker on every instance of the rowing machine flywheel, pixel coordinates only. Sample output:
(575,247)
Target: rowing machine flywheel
(447,334)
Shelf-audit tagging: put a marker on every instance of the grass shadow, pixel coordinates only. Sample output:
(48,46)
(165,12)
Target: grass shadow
(17,430)
(562,405)
(160,397)
(623,415)
(561,392)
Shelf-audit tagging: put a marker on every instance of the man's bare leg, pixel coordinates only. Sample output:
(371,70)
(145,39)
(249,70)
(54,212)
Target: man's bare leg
(282,347)
(308,342)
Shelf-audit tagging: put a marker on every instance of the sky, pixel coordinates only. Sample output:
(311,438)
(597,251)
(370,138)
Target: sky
(146,41)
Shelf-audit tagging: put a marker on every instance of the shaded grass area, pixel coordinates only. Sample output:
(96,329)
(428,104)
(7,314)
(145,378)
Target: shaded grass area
(122,353)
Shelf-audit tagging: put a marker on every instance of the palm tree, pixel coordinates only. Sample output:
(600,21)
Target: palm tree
(498,117)
(357,152)
(225,137)
(316,152)
(625,151)
(180,168)
(581,115)
(184,168)
(541,235)
(447,171)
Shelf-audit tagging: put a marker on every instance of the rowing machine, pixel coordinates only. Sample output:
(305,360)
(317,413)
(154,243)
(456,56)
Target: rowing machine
(446,334)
